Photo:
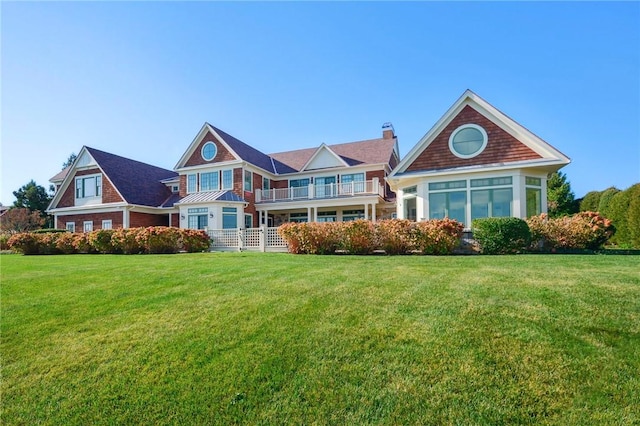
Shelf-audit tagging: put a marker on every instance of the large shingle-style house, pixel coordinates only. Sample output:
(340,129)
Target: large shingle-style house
(221,182)
(475,162)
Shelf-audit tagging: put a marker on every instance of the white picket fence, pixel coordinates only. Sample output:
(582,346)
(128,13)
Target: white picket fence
(251,239)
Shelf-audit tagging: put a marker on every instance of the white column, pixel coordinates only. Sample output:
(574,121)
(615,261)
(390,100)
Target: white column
(366,211)
(309,214)
(373,213)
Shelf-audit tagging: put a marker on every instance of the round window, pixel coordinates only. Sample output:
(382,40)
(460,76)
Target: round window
(209,151)
(467,141)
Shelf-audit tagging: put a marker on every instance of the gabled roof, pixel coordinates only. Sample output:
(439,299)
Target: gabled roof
(548,154)
(138,183)
(373,151)
(325,157)
(58,178)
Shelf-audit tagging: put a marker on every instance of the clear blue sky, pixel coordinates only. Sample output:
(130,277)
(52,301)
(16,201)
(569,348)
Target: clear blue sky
(139,79)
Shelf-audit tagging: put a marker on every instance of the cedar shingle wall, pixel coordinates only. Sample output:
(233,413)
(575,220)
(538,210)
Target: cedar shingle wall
(501,146)
(109,193)
(223,153)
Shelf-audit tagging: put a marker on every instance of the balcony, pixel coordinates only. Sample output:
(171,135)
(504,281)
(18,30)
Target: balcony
(311,192)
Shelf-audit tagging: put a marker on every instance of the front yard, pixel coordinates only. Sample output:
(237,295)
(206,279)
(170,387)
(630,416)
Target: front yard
(223,338)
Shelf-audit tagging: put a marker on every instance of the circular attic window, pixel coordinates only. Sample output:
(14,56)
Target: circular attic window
(467,141)
(209,151)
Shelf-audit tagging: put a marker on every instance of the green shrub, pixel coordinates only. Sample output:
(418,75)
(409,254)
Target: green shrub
(633,221)
(4,239)
(501,235)
(590,201)
(100,240)
(605,199)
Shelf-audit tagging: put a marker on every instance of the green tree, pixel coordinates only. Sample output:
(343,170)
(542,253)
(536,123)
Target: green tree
(560,198)
(633,217)
(69,161)
(605,199)
(590,201)
(33,197)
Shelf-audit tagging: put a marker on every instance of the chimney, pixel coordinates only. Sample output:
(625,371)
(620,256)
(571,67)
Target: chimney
(387,131)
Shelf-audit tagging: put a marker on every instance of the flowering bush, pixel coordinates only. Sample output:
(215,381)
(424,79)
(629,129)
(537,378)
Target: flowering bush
(584,230)
(394,236)
(128,241)
(437,236)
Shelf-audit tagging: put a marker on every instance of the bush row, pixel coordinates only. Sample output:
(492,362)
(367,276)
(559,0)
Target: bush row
(395,236)
(503,235)
(159,239)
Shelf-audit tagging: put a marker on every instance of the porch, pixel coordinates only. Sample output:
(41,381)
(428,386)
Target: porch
(312,191)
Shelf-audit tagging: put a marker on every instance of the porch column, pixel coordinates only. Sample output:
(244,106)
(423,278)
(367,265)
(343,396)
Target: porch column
(373,213)
(366,211)
(309,214)
(315,214)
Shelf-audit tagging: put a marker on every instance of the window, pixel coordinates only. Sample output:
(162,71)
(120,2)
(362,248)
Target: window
(71,226)
(229,217)
(349,215)
(410,190)
(107,224)
(88,225)
(491,203)
(534,196)
(448,204)
(248,221)
(324,186)
(89,186)
(447,185)
(468,140)
(248,177)
(209,151)
(198,218)
(175,188)
(327,216)
(227,179)
(410,209)
(299,183)
(357,179)
(300,188)
(491,182)
(209,181)
(298,217)
(192,181)
(266,184)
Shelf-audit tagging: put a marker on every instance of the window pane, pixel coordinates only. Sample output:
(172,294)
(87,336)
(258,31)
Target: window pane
(227,179)
(457,205)
(479,204)
(437,206)
(501,202)
(534,181)
(191,183)
(468,141)
(247,180)
(229,220)
(89,185)
(98,185)
(534,202)
(410,211)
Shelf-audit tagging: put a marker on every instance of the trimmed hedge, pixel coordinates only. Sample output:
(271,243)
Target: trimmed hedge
(501,235)
(394,236)
(158,239)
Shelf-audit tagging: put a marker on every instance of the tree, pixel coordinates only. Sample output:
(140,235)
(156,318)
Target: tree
(605,199)
(33,197)
(590,201)
(18,219)
(560,198)
(69,161)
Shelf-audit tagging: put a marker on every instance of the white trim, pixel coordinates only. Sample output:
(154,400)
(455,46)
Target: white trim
(215,151)
(107,221)
(84,226)
(73,226)
(485,139)
(206,128)
(323,147)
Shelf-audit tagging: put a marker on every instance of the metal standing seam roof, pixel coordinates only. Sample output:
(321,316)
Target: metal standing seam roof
(206,197)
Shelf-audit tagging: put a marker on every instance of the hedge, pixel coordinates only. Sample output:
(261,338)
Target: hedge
(159,239)
(394,236)
(501,235)
(584,230)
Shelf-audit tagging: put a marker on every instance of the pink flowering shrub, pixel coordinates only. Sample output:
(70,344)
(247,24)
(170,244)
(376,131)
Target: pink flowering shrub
(584,230)
(128,241)
(394,236)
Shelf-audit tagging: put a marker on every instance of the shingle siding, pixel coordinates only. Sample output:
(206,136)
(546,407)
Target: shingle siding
(501,146)
(222,155)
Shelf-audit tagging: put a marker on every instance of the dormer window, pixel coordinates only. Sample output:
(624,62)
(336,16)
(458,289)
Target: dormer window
(89,186)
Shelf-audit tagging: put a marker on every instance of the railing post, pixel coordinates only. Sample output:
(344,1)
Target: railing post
(311,195)
(376,185)
(258,195)
(263,239)
(240,239)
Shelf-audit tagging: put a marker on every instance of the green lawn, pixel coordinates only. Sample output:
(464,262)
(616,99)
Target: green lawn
(220,338)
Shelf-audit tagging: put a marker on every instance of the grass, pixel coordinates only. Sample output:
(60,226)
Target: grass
(231,338)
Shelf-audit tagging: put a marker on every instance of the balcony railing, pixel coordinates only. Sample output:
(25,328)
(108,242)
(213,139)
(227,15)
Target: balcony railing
(332,190)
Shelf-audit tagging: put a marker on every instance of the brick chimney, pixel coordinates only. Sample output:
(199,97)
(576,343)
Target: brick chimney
(387,131)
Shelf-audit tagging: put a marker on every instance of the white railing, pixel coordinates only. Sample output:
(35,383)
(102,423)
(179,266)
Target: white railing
(250,239)
(332,190)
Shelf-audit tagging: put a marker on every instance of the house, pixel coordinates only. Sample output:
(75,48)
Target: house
(221,182)
(475,162)
(104,191)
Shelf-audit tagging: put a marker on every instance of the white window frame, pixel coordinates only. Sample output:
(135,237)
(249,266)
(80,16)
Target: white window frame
(249,174)
(107,224)
(87,226)
(80,186)
(228,172)
(194,188)
(70,226)
(485,140)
